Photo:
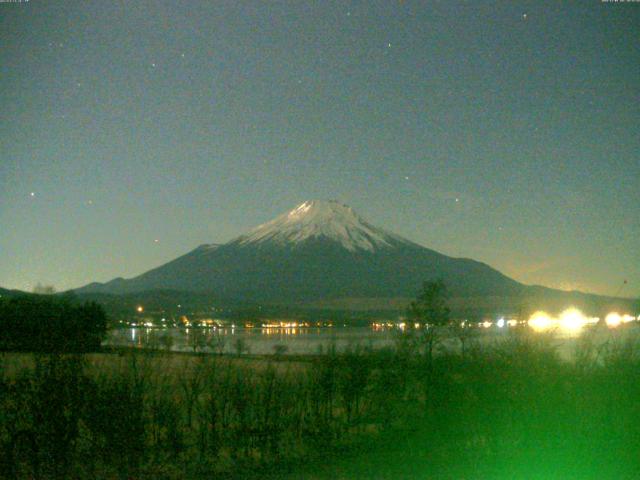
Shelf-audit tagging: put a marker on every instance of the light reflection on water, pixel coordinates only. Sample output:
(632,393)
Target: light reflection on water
(258,341)
(312,340)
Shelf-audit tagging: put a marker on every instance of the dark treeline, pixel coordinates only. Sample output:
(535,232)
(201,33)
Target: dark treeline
(47,323)
(514,410)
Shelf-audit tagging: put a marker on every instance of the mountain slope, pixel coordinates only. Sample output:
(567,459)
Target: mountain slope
(6,293)
(318,250)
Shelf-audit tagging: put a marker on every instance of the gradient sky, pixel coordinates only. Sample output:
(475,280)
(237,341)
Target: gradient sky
(134,131)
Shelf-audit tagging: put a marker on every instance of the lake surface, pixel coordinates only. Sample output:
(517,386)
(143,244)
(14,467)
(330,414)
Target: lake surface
(258,341)
(312,340)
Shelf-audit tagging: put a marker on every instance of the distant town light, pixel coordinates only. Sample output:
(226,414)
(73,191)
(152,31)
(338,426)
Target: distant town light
(540,321)
(613,319)
(572,319)
(500,322)
(140,309)
(627,318)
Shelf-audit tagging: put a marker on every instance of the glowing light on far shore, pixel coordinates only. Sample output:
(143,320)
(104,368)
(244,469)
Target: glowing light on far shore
(541,321)
(140,309)
(613,320)
(626,318)
(572,319)
(500,323)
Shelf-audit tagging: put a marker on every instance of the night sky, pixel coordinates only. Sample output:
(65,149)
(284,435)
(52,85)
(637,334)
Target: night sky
(506,132)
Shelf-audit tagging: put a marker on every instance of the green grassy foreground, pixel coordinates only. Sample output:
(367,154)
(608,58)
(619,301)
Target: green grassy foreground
(511,411)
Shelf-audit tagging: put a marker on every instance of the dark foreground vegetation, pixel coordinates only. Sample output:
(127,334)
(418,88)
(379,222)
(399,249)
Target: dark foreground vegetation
(511,411)
(46,323)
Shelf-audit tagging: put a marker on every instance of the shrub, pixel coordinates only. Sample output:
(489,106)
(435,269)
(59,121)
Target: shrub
(50,324)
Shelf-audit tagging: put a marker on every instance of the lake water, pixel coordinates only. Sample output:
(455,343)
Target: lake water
(258,341)
(311,340)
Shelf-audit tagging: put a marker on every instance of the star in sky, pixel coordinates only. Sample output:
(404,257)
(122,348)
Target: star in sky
(228,135)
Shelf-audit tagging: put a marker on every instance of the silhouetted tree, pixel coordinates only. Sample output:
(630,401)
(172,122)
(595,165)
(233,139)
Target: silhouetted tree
(217,342)
(44,289)
(50,324)
(465,333)
(431,311)
(196,339)
(240,346)
(166,341)
(430,306)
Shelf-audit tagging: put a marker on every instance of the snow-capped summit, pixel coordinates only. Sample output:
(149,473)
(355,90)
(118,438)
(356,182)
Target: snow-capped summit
(319,250)
(322,219)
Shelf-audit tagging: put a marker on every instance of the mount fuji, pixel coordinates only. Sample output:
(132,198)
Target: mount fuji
(320,250)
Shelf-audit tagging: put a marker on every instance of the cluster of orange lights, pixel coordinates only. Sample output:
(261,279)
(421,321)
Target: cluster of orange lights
(289,324)
(383,325)
(571,319)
